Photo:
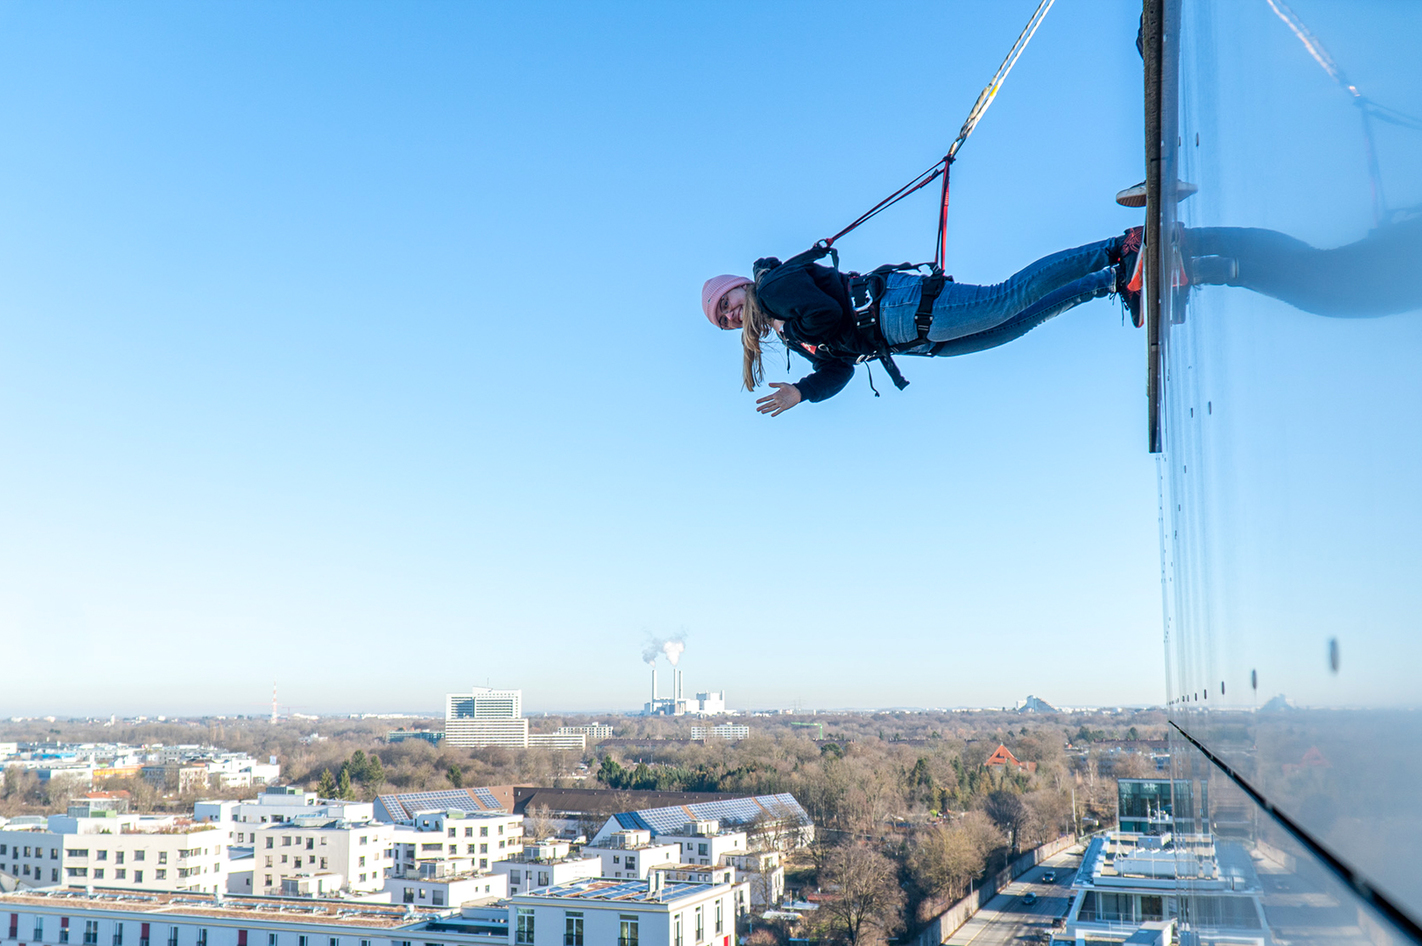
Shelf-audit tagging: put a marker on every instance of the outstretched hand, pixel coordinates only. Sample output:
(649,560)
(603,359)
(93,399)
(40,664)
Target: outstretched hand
(784,397)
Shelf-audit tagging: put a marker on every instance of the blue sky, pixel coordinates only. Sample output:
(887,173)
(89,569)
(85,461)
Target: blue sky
(357,347)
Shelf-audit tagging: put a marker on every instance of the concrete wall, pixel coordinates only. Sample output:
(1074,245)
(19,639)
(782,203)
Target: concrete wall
(946,923)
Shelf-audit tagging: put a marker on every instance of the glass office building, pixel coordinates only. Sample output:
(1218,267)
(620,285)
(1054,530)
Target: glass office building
(1285,318)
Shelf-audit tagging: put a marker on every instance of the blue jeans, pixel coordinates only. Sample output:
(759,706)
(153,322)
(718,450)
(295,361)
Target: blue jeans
(973,318)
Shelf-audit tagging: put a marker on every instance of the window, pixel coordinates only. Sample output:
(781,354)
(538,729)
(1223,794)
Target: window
(202,936)
(286,841)
(160,875)
(323,840)
(700,925)
(409,895)
(701,849)
(323,863)
(501,829)
(471,848)
(138,876)
(72,852)
(573,928)
(310,844)
(302,941)
(333,941)
(269,842)
(269,880)
(483,863)
(483,849)
(91,933)
(718,916)
(162,857)
(437,897)
(269,860)
(627,930)
(139,855)
(523,928)
(118,934)
(468,833)
(71,871)
(362,861)
(484,833)
(283,859)
(452,833)
(118,857)
(676,930)
(543,878)
(98,873)
(172,936)
(364,839)
(271,939)
(39,928)
(454,849)
(295,862)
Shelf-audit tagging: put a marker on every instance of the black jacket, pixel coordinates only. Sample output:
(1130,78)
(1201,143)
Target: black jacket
(813,301)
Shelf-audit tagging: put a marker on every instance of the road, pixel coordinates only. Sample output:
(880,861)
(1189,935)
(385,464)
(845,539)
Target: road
(1006,921)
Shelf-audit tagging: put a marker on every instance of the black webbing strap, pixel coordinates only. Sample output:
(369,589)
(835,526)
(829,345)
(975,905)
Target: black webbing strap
(923,318)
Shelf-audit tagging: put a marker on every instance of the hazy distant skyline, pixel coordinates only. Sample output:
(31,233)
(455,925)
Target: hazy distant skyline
(361,351)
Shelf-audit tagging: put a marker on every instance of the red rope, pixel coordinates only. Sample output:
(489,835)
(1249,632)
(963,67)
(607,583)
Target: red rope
(941,259)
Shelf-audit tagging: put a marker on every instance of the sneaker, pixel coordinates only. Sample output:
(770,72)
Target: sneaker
(1213,270)
(1128,273)
(1135,196)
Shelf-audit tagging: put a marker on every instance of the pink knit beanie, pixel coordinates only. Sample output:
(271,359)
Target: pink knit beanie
(715,288)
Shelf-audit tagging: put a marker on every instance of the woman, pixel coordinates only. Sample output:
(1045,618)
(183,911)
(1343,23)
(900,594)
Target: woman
(836,320)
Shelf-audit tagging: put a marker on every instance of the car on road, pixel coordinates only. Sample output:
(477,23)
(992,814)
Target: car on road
(1029,898)
(1050,877)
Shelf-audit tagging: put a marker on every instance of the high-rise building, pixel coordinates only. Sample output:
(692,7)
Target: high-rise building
(488,717)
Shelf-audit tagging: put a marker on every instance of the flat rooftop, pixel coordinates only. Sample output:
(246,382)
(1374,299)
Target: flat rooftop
(278,909)
(624,891)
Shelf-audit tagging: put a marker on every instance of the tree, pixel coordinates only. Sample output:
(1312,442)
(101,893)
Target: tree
(537,824)
(868,900)
(326,787)
(456,776)
(343,786)
(374,771)
(358,766)
(1008,812)
(945,858)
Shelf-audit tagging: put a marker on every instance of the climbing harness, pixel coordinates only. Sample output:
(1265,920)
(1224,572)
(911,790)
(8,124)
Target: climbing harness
(866,290)
(1368,110)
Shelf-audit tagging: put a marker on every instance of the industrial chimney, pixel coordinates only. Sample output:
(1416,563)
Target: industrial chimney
(654,685)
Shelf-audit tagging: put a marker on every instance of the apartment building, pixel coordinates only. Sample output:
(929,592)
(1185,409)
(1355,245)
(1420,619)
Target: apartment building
(598,912)
(544,864)
(351,857)
(705,843)
(632,854)
(129,852)
(482,837)
(278,804)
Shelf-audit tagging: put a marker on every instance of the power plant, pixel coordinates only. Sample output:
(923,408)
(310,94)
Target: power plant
(711,703)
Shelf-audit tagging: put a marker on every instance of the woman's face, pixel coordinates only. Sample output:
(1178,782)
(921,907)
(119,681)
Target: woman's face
(730,309)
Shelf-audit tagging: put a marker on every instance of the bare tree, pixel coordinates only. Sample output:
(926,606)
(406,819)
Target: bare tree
(1008,812)
(868,902)
(537,823)
(945,858)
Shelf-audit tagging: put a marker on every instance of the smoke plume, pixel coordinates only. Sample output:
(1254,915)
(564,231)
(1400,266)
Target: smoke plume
(670,647)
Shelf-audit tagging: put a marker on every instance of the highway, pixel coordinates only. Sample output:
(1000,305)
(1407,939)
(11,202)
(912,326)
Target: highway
(1006,921)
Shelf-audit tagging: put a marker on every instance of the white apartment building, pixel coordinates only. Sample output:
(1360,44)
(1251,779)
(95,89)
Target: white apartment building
(485,717)
(594,731)
(125,851)
(481,837)
(446,884)
(762,873)
(160,919)
(557,740)
(544,864)
(299,850)
(728,731)
(605,912)
(632,854)
(704,843)
(276,805)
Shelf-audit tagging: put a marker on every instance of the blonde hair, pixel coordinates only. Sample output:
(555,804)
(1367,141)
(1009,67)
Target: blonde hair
(755,328)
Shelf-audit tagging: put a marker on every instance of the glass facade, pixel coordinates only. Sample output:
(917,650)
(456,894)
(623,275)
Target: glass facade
(1290,367)
(1155,806)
